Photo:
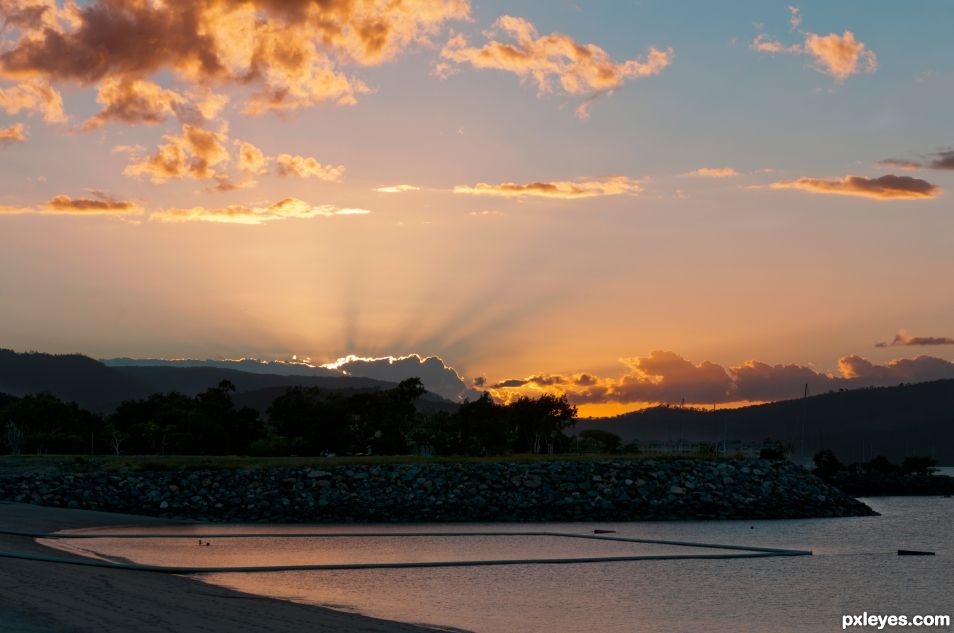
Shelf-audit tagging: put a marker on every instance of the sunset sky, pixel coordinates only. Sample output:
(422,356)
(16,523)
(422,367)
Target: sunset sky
(631,202)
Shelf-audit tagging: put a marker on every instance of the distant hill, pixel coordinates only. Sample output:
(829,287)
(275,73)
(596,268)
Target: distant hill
(890,421)
(248,365)
(98,387)
(71,377)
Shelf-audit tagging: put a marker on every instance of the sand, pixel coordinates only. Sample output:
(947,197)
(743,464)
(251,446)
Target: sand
(38,597)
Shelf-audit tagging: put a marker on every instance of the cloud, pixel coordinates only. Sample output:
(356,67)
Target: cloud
(579,69)
(133,101)
(889,187)
(32,16)
(292,53)
(900,163)
(795,17)
(289,208)
(194,154)
(250,158)
(859,371)
(15,133)
(943,160)
(33,95)
(6,209)
(839,56)
(397,189)
(301,167)
(762,44)
(101,204)
(665,376)
(715,172)
(561,189)
(436,376)
(902,338)
(98,204)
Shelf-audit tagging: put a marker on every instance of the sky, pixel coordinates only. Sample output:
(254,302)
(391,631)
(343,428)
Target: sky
(627,202)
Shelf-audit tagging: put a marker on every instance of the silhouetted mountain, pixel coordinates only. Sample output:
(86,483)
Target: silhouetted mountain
(93,385)
(193,380)
(248,365)
(71,377)
(856,425)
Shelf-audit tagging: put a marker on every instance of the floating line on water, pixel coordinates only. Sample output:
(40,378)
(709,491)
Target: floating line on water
(741,551)
(234,535)
(404,565)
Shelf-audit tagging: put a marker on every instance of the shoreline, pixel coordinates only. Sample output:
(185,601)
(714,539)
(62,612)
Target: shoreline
(39,597)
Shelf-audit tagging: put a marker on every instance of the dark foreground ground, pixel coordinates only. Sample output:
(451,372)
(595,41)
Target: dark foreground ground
(38,597)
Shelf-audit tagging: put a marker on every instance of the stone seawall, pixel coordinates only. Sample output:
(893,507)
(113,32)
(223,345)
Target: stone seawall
(619,490)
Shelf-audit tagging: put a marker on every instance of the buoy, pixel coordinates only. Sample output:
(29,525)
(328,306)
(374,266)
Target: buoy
(913,552)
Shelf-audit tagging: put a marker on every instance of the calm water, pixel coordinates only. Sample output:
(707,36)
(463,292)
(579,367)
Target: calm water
(855,568)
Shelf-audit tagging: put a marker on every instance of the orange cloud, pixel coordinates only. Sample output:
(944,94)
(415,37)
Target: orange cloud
(33,95)
(15,133)
(194,153)
(714,172)
(291,51)
(289,208)
(577,68)
(301,167)
(665,376)
(561,189)
(889,187)
(32,16)
(100,205)
(397,189)
(839,56)
(250,158)
(133,101)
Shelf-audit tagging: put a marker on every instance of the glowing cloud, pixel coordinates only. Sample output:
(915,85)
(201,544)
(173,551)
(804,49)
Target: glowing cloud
(289,208)
(101,204)
(193,153)
(133,101)
(33,95)
(715,172)
(902,338)
(15,133)
(397,189)
(434,373)
(292,51)
(561,189)
(250,158)
(839,56)
(665,376)
(577,68)
(889,187)
(301,167)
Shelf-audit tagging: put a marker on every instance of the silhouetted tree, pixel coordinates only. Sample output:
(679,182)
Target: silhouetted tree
(599,441)
(826,464)
(918,465)
(538,424)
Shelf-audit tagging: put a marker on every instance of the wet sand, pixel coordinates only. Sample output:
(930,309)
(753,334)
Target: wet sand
(38,597)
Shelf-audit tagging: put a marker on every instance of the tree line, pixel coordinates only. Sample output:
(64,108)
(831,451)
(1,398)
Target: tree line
(302,421)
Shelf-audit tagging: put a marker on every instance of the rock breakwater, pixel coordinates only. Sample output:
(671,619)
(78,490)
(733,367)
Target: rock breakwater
(617,490)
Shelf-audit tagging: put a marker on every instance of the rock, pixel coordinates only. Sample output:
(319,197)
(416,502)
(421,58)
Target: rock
(622,490)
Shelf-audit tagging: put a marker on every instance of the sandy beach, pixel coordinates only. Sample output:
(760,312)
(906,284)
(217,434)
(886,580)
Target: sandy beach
(37,597)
